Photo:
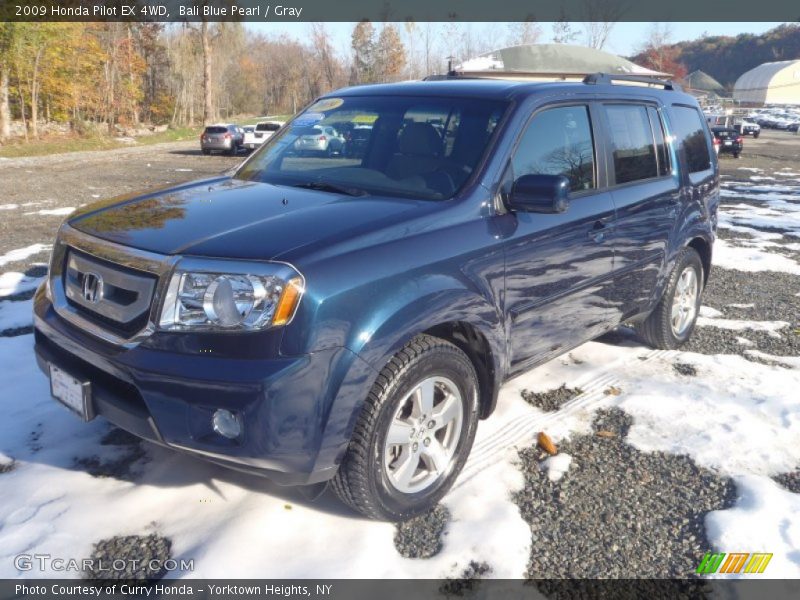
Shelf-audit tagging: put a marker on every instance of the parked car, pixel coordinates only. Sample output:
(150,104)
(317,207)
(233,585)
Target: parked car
(226,138)
(746,127)
(320,140)
(317,321)
(727,141)
(261,133)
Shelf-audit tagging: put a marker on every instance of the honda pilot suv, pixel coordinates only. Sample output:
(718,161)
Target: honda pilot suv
(350,319)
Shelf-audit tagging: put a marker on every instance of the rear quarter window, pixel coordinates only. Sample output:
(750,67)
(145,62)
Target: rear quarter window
(632,142)
(690,130)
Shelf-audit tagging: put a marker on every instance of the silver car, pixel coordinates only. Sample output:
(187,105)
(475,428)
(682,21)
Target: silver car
(226,138)
(320,139)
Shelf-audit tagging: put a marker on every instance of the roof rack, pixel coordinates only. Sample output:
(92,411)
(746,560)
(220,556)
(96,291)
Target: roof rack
(610,78)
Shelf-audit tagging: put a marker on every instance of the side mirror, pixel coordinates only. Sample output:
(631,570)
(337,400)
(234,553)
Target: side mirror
(540,194)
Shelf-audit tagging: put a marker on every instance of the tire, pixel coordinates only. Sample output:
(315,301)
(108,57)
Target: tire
(370,477)
(206,152)
(756,134)
(659,330)
(735,155)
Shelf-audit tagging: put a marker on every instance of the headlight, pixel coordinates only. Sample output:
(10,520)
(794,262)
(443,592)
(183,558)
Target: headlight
(230,295)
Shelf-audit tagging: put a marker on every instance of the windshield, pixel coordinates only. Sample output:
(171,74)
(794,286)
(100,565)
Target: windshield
(412,147)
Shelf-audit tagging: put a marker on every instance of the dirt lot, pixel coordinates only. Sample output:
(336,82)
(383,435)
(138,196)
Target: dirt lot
(33,189)
(37,187)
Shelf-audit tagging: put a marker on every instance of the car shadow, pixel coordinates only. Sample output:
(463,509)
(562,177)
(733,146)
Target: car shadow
(198,152)
(111,453)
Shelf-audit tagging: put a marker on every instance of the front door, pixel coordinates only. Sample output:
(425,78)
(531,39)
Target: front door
(559,266)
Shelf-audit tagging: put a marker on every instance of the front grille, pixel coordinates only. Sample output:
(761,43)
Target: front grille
(112,296)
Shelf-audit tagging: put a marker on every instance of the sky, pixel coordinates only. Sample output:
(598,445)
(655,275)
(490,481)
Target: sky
(625,40)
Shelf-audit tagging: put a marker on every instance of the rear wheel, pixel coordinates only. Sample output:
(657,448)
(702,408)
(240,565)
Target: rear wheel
(414,433)
(671,324)
(206,152)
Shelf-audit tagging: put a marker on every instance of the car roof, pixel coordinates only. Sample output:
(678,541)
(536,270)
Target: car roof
(500,89)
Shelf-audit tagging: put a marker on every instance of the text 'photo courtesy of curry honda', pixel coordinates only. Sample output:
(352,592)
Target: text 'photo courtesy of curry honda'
(344,311)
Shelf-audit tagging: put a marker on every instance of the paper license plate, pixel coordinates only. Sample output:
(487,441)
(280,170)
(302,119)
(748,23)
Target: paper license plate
(71,392)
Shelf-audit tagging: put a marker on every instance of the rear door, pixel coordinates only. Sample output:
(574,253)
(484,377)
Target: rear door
(646,194)
(558,266)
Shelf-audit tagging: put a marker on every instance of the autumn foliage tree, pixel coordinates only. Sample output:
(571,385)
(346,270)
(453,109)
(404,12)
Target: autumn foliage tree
(659,54)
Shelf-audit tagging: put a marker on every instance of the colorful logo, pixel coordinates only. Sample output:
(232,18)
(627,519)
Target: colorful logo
(736,562)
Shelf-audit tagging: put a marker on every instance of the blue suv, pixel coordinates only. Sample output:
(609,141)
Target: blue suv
(350,318)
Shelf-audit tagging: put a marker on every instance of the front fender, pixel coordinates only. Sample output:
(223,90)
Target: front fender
(382,334)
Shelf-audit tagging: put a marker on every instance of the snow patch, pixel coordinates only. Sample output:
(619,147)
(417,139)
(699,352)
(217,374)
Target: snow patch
(23,253)
(766,518)
(556,466)
(67,210)
(16,283)
(15,314)
(770,327)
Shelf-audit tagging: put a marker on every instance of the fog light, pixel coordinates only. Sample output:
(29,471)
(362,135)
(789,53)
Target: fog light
(226,424)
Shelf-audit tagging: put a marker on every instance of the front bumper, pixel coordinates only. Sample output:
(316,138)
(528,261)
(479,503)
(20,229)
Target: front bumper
(296,411)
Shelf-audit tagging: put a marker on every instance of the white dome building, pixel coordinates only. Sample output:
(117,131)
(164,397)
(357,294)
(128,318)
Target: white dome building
(770,83)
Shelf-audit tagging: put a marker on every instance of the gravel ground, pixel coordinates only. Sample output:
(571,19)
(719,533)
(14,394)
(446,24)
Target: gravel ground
(791,481)
(773,297)
(421,537)
(685,369)
(125,466)
(618,511)
(551,400)
(140,554)
(469,580)
(70,180)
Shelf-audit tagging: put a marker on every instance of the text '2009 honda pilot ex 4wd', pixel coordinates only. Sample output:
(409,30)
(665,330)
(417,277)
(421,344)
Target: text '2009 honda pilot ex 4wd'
(350,318)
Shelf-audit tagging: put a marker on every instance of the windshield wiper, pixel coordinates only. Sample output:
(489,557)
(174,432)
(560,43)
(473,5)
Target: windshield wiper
(323,186)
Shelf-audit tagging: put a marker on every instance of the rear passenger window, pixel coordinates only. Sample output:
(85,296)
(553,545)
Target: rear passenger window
(558,141)
(691,131)
(632,143)
(661,143)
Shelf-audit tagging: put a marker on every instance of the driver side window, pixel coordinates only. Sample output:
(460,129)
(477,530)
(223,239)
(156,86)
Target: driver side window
(558,141)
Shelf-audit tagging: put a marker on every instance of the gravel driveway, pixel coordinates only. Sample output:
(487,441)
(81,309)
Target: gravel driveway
(37,192)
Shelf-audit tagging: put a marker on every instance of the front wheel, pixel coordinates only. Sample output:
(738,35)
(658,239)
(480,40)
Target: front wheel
(671,324)
(414,433)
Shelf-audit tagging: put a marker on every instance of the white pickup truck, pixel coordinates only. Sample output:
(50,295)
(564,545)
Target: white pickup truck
(261,133)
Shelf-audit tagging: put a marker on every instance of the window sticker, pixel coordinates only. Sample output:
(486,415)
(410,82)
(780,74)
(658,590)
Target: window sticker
(326,104)
(308,119)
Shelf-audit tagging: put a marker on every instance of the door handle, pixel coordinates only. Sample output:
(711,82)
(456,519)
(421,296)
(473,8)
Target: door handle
(598,231)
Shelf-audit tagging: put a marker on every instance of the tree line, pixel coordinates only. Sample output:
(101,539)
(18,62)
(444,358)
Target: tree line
(725,58)
(102,76)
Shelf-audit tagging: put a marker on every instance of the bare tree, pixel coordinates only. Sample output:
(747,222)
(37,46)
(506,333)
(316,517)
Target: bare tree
(562,30)
(524,32)
(6,34)
(324,52)
(208,107)
(390,54)
(362,42)
(600,18)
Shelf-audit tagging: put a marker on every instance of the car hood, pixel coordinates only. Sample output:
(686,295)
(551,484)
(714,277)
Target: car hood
(230,218)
